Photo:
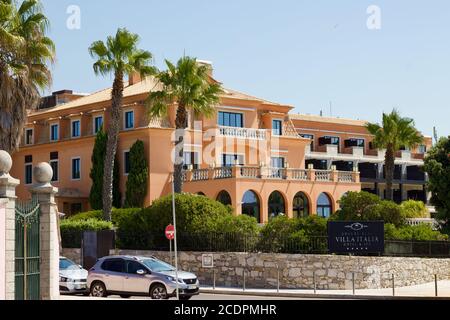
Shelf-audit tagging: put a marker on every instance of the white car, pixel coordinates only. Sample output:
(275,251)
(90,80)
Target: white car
(72,277)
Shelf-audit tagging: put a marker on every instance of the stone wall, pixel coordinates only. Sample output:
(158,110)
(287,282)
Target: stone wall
(296,271)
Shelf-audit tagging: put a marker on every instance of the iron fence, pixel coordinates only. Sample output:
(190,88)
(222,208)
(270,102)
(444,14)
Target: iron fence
(238,242)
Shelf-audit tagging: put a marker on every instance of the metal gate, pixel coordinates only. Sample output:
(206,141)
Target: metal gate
(27,259)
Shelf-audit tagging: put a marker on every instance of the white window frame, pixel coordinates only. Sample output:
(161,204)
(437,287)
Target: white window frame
(93,122)
(124,166)
(71,128)
(57,165)
(71,169)
(125,119)
(59,131)
(282,122)
(32,136)
(231,111)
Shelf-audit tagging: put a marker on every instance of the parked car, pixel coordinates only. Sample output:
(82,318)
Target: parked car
(139,276)
(72,277)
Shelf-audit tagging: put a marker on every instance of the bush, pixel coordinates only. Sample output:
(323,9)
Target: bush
(422,232)
(414,209)
(136,188)
(118,215)
(72,230)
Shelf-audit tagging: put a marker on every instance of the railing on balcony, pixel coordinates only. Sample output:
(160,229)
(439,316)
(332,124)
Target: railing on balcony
(276,173)
(223,173)
(323,175)
(250,172)
(345,176)
(299,174)
(245,133)
(200,175)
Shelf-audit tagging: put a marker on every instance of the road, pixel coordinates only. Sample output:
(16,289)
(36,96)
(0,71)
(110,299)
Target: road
(199,297)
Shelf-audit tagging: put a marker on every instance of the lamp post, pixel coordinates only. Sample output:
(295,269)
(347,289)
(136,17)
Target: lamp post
(175,237)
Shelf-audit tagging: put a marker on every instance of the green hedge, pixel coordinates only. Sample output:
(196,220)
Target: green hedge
(118,215)
(414,209)
(72,230)
(422,232)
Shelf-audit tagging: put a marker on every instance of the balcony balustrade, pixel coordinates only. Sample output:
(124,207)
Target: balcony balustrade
(243,133)
(259,173)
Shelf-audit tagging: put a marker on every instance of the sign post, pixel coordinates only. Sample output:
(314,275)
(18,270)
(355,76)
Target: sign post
(170,234)
(175,237)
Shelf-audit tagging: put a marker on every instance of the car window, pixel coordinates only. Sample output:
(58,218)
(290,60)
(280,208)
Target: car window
(65,264)
(134,266)
(157,266)
(115,265)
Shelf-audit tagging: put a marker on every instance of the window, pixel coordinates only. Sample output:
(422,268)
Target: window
(301,205)
(324,206)
(277,162)
(422,149)
(98,124)
(126,161)
(76,169)
(229,119)
(76,129)
(190,159)
(28,169)
(277,127)
(129,119)
(54,165)
(29,136)
(250,205)
(330,140)
(354,143)
(134,266)
(230,160)
(76,208)
(114,265)
(54,132)
(276,205)
(309,136)
(224,198)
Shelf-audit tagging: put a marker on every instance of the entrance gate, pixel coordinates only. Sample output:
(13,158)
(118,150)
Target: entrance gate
(27,259)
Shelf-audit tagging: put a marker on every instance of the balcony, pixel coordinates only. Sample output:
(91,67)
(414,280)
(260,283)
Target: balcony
(243,133)
(259,173)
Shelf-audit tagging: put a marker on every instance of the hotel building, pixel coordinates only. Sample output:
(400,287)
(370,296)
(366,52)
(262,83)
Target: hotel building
(253,154)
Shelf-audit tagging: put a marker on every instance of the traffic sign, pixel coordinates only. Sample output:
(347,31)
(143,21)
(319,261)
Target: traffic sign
(170,232)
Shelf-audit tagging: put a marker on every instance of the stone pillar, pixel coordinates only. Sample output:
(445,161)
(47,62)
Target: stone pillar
(7,228)
(49,243)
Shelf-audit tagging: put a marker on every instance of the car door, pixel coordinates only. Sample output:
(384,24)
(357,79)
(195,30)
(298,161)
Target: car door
(114,273)
(133,282)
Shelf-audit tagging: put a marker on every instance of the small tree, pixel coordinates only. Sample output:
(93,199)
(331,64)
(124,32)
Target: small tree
(96,174)
(437,165)
(137,177)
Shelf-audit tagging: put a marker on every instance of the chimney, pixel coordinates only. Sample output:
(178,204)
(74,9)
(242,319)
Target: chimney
(134,78)
(208,64)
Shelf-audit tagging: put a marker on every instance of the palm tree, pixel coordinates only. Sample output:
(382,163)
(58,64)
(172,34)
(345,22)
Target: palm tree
(118,56)
(25,53)
(394,133)
(187,85)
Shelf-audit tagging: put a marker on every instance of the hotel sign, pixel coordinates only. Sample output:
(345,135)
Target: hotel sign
(356,236)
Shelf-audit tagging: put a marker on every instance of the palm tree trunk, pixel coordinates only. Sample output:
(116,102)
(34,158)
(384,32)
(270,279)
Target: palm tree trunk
(181,125)
(111,145)
(389,166)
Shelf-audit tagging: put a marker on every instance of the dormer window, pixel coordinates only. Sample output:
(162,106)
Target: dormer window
(76,128)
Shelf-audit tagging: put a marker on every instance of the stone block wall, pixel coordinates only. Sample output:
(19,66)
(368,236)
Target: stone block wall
(297,271)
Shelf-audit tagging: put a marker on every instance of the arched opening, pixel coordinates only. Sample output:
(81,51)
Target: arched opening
(324,207)
(276,205)
(301,205)
(251,206)
(224,198)
(201,194)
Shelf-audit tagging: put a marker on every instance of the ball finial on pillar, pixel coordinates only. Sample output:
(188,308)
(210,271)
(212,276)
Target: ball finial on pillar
(43,173)
(5,162)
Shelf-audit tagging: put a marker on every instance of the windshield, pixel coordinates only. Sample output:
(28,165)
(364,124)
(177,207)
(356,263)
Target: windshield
(157,266)
(65,264)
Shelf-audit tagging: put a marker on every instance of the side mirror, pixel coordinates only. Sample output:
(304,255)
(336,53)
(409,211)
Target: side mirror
(81,267)
(141,272)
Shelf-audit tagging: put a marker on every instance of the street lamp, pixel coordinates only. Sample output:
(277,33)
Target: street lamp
(175,235)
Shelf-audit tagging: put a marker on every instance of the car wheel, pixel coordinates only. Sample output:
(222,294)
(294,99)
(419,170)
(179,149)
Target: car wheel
(125,296)
(185,297)
(98,290)
(158,292)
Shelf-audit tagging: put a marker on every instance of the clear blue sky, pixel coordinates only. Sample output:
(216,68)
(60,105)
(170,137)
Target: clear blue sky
(303,53)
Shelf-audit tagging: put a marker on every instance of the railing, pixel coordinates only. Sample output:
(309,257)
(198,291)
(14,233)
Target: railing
(200,175)
(250,172)
(245,133)
(299,174)
(276,173)
(323,175)
(418,221)
(345,176)
(223,173)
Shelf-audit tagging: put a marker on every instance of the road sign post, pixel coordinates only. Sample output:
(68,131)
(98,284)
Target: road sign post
(170,234)
(175,237)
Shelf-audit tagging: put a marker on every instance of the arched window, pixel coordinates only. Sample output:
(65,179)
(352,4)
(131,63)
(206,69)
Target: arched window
(276,204)
(324,207)
(301,205)
(201,194)
(224,198)
(250,205)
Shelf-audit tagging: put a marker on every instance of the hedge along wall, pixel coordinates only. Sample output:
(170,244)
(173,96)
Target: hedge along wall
(296,271)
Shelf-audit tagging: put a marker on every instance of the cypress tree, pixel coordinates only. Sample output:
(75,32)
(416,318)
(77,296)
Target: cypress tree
(96,174)
(137,177)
